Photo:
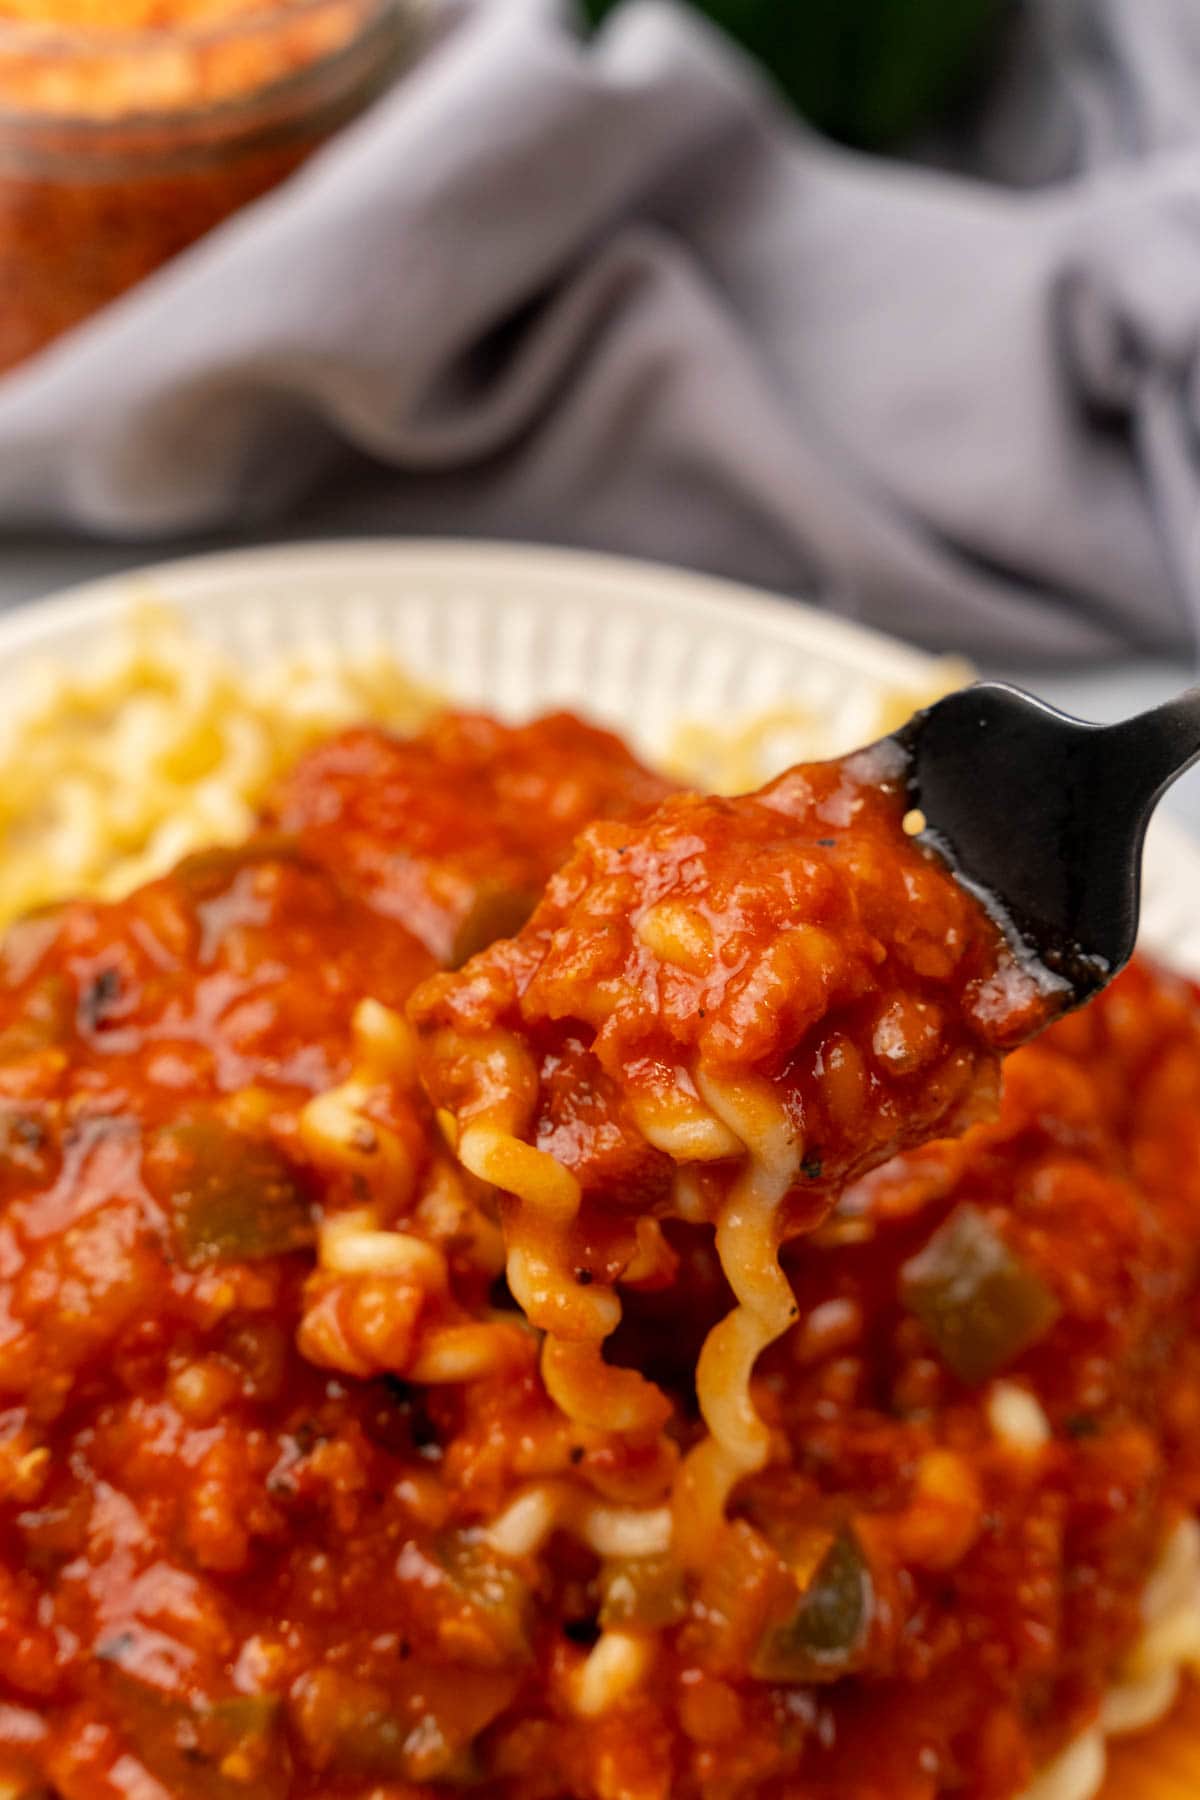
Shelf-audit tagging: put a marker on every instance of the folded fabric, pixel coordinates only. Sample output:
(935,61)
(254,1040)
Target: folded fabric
(607,293)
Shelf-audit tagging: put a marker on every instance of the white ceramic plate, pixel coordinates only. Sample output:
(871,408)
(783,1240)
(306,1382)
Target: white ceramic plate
(517,630)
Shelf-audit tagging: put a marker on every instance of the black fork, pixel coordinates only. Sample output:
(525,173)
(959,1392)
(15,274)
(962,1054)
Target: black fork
(1046,815)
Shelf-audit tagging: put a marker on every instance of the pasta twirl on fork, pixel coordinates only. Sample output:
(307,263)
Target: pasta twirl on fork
(719,1014)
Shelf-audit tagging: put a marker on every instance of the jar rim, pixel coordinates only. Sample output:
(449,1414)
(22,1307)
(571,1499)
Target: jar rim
(26,36)
(380,28)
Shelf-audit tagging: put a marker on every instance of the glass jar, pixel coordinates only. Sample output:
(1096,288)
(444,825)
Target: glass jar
(122,144)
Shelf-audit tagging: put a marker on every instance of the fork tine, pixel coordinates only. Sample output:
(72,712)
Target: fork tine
(1020,800)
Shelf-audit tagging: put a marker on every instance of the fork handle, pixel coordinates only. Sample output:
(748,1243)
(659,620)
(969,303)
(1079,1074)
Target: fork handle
(1152,749)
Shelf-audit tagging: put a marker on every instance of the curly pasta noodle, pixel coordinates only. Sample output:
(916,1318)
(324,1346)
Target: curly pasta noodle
(578,1318)
(575,1317)
(356,1247)
(611,1531)
(747,1241)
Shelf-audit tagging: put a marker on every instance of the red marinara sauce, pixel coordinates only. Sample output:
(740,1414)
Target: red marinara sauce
(246,1543)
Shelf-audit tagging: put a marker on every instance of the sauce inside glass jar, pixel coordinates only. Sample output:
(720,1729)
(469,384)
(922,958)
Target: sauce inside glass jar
(129,128)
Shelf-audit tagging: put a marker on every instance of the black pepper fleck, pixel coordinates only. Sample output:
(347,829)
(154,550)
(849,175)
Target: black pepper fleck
(116,1648)
(98,998)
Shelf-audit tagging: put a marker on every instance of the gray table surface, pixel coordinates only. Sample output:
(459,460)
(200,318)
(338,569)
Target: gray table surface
(29,569)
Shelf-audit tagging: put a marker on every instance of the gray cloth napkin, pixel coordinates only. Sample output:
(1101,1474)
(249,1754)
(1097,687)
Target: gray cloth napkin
(609,294)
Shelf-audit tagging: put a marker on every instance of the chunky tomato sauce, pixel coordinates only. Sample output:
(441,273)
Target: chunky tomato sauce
(266,1398)
(794,938)
(456,833)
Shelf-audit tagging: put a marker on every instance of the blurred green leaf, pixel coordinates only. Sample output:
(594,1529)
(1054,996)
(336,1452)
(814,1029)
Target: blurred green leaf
(870,72)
